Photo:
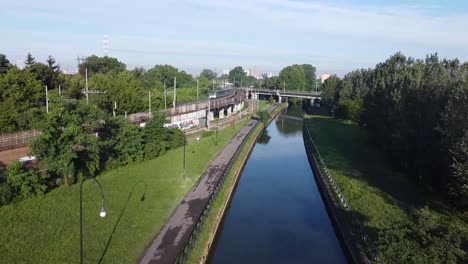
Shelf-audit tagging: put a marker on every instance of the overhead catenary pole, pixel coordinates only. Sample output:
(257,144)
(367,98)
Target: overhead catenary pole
(198,81)
(149,104)
(60,91)
(86,89)
(165,101)
(47,99)
(113,109)
(175,91)
(284,86)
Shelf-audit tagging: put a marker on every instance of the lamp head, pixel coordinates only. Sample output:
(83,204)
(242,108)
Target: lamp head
(103,212)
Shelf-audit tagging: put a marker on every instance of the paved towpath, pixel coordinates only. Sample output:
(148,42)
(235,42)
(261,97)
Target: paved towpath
(174,235)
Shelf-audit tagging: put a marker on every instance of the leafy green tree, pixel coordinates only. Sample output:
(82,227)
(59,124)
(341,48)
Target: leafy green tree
(19,92)
(209,74)
(349,109)
(330,91)
(103,65)
(123,88)
(4,64)
(293,76)
(236,75)
(271,83)
(68,146)
(309,74)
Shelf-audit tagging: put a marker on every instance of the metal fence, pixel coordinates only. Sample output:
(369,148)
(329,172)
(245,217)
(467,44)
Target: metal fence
(201,221)
(339,196)
(18,139)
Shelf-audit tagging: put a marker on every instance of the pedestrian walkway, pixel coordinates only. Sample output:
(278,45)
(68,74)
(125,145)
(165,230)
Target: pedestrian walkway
(169,243)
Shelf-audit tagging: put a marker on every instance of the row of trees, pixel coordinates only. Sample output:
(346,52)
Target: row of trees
(417,111)
(22,92)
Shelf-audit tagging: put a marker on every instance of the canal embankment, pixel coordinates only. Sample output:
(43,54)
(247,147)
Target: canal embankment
(353,237)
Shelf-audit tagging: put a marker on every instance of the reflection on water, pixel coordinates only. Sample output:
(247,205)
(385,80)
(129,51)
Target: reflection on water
(277,214)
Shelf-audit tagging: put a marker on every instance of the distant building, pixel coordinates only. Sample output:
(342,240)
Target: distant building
(254,72)
(324,76)
(71,72)
(225,72)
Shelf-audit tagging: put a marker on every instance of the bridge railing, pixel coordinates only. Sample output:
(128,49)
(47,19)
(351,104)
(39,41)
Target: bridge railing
(353,220)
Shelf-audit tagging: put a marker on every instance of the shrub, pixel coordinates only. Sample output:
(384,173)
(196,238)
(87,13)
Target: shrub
(207,133)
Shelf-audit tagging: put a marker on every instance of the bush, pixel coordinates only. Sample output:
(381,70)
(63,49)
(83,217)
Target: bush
(348,109)
(22,184)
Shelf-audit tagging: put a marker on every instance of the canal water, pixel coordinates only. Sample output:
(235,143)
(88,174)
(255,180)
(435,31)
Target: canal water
(277,214)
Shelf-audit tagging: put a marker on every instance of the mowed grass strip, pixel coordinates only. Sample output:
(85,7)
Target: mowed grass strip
(378,194)
(138,198)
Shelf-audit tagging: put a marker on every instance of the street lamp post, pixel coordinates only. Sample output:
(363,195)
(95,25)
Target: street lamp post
(185,143)
(101,214)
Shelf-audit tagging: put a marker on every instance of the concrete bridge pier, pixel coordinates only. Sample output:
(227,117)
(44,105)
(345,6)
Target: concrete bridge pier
(221,113)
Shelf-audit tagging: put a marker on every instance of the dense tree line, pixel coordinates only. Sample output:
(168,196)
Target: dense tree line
(22,91)
(294,77)
(417,111)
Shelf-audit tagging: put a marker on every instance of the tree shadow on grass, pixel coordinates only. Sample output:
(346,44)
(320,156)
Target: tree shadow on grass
(345,149)
(120,217)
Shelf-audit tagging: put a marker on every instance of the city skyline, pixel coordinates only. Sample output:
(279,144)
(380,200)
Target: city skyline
(335,36)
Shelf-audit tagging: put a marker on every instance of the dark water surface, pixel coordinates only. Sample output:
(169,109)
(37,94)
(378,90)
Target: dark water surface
(277,214)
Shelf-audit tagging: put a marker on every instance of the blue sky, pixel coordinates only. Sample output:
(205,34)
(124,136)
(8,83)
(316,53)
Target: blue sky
(335,36)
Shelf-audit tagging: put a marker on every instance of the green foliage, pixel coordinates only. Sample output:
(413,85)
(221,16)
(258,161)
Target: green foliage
(309,74)
(348,109)
(271,100)
(264,116)
(19,91)
(4,64)
(123,88)
(209,74)
(272,83)
(102,65)
(293,77)
(425,239)
(416,110)
(330,91)
(68,147)
(23,183)
(238,75)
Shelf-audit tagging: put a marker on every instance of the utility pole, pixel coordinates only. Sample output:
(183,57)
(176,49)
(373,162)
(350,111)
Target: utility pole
(185,143)
(198,81)
(47,99)
(284,86)
(175,90)
(165,101)
(86,89)
(60,91)
(149,104)
(113,109)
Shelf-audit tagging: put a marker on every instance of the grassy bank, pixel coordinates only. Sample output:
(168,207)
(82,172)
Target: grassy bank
(139,198)
(379,195)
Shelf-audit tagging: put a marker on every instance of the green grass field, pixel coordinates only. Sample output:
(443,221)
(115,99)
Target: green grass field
(379,195)
(138,199)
